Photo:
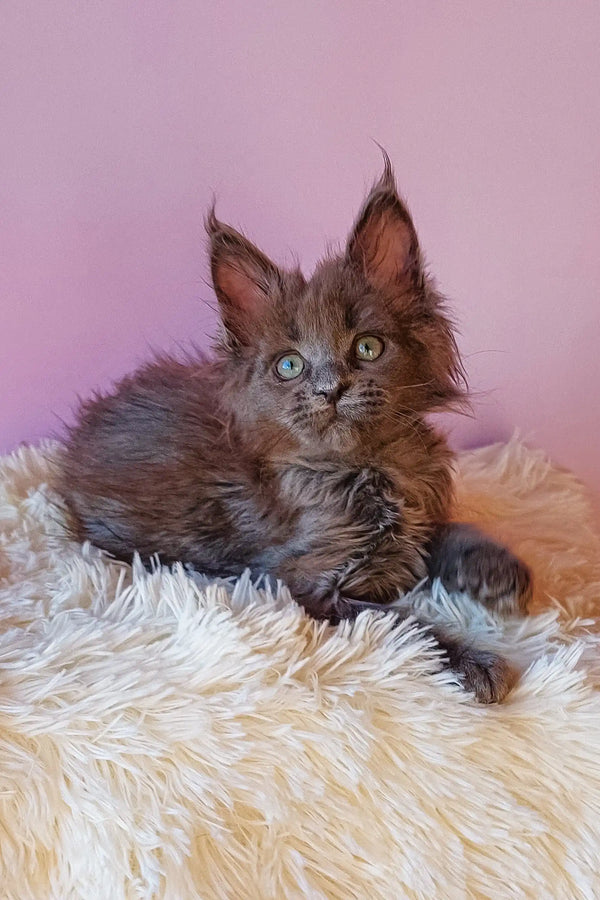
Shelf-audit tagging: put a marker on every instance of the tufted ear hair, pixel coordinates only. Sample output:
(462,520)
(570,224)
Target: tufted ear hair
(383,244)
(243,278)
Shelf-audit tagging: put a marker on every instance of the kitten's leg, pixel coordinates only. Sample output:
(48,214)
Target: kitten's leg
(467,560)
(487,674)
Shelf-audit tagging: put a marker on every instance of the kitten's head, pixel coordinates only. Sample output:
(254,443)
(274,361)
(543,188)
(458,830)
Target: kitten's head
(349,356)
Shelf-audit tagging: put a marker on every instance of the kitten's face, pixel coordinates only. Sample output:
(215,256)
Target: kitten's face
(349,357)
(333,364)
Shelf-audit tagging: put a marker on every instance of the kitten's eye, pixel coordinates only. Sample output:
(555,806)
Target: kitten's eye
(368,347)
(289,366)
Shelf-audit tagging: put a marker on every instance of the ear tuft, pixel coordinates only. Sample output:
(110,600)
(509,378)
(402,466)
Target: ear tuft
(387,180)
(211,223)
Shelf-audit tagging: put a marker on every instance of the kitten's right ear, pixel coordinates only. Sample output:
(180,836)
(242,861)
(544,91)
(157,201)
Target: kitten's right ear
(243,278)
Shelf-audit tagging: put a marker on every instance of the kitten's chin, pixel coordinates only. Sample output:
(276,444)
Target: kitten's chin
(342,438)
(337,433)
(329,430)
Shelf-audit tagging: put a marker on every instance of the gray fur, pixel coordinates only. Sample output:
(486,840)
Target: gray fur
(334,481)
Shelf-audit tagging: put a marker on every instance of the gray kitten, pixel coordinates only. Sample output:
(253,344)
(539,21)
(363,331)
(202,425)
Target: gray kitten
(301,450)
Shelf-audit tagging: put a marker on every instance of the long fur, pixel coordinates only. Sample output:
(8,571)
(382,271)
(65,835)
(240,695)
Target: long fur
(334,482)
(167,740)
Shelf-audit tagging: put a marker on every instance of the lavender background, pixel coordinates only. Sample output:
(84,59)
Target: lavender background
(119,119)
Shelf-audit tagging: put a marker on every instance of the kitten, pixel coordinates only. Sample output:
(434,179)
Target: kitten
(301,450)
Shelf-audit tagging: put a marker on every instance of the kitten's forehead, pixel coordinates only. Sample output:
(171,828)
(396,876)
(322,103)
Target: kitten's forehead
(322,317)
(327,306)
(336,305)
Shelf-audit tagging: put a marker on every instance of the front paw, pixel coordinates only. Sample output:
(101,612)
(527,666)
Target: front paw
(489,676)
(372,501)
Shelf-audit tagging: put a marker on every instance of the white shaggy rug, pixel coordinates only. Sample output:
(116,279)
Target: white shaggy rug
(164,739)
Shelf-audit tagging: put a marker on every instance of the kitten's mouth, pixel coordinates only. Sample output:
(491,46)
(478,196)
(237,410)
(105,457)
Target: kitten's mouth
(341,413)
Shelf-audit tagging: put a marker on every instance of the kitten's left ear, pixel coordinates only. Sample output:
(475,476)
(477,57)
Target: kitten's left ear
(243,278)
(383,244)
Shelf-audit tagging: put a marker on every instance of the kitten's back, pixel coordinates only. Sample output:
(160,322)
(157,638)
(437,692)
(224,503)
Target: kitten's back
(151,468)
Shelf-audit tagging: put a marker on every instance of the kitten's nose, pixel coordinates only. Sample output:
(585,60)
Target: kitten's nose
(333,394)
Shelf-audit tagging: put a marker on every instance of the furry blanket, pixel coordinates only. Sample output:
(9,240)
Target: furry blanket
(161,737)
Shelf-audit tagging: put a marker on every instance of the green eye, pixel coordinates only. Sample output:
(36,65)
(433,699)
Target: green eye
(289,366)
(368,347)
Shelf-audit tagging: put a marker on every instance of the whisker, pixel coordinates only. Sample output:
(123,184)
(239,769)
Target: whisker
(406,387)
(395,416)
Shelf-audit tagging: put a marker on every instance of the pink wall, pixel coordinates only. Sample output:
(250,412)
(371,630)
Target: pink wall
(118,120)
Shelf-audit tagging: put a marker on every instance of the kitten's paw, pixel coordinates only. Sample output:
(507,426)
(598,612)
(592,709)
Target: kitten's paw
(489,676)
(466,559)
(494,576)
(371,498)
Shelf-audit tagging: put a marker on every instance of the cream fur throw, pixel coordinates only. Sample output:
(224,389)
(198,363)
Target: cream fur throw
(160,738)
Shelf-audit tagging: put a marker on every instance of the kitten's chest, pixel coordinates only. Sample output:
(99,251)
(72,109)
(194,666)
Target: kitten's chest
(326,494)
(382,495)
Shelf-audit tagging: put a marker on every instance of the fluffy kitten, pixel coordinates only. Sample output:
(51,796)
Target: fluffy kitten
(301,450)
